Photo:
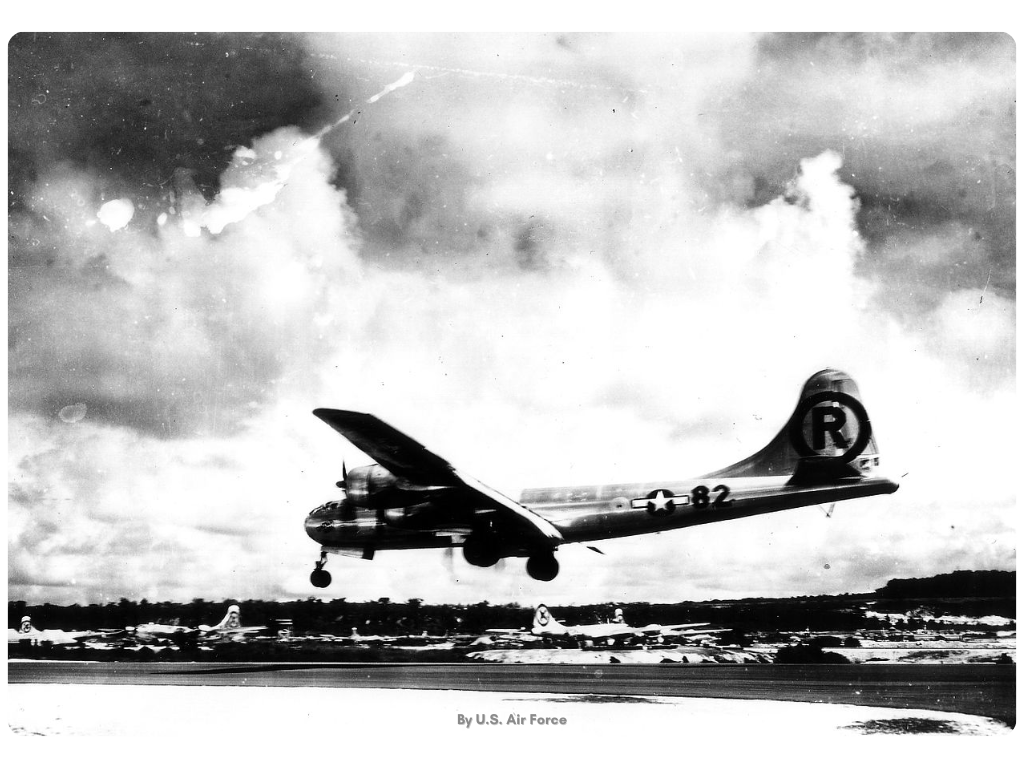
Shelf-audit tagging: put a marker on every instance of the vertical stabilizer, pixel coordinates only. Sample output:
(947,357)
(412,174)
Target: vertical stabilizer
(231,620)
(546,624)
(828,436)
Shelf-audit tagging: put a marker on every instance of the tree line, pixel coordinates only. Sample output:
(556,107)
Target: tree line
(972,593)
(994,584)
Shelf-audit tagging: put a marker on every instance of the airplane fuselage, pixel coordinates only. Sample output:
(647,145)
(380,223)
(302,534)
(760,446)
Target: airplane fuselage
(590,513)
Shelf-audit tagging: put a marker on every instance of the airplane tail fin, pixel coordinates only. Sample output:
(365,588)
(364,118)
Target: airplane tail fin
(544,622)
(828,437)
(232,620)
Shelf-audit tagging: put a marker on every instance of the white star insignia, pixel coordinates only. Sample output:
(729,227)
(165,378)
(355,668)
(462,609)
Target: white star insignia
(661,501)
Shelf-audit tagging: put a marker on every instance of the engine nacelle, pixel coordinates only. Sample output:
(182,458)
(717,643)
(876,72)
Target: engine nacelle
(396,516)
(371,486)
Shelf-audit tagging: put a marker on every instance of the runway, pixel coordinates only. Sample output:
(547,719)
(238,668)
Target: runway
(180,698)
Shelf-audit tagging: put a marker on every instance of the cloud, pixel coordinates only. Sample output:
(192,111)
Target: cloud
(138,106)
(99,512)
(156,330)
(507,148)
(925,125)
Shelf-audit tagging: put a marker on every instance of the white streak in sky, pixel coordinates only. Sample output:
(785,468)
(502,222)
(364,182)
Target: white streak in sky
(400,82)
(235,203)
(403,80)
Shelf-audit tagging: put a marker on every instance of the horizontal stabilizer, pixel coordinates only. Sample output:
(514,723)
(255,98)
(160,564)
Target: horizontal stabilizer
(815,470)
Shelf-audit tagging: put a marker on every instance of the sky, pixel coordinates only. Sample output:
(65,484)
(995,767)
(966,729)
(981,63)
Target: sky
(551,258)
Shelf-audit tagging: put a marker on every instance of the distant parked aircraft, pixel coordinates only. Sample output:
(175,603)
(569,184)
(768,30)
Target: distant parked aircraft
(229,627)
(27,633)
(546,625)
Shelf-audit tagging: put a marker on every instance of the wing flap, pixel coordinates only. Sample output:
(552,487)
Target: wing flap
(534,523)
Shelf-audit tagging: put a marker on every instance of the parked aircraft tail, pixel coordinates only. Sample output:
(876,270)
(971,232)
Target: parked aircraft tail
(544,622)
(828,437)
(232,620)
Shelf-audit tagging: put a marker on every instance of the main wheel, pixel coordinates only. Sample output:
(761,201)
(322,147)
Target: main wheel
(481,551)
(542,567)
(320,578)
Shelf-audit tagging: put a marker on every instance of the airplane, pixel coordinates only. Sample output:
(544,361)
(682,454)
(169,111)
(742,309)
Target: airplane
(152,631)
(546,625)
(229,627)
(28,633)
(411,498)
(517,637)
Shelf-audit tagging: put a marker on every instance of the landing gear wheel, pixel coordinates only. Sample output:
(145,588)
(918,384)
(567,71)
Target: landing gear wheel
(542,567)
(320,578)
(481,551)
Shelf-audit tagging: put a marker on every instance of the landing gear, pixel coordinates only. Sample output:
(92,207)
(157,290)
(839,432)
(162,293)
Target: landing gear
(542,567)
(481,550)
(320,578)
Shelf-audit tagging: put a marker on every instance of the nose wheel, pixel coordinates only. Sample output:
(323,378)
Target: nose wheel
(320,578)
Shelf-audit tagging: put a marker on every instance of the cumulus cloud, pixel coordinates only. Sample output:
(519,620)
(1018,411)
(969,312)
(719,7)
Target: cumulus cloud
(925,124)
(156,330)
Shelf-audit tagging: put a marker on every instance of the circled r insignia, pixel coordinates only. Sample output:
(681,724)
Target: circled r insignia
(829,421)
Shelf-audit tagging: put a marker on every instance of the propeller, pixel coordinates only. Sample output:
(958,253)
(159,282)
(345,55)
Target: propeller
(347,511)
(449,563)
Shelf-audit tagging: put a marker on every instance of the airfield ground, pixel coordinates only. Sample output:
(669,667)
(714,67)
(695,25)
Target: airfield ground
(169,712)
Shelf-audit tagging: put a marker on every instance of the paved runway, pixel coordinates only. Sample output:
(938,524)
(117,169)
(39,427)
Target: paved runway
(181,698)
(987,690)
(57,710)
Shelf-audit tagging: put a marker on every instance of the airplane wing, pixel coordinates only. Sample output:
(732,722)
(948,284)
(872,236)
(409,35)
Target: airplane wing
(695,632)
(621,630)
(407,459)
(679,627)
(603,631)
(608,631)
(239,630)
(624,632)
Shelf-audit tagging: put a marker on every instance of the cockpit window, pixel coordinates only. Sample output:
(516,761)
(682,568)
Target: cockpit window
(325,510)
